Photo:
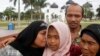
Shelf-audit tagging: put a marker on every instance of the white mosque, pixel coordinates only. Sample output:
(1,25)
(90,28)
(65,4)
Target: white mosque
(53,13)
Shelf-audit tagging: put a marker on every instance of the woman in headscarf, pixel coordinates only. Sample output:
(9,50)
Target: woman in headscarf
(90,40)
(30,42)
(58,40)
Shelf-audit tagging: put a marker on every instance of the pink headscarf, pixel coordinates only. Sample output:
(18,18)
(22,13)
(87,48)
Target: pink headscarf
(65,40)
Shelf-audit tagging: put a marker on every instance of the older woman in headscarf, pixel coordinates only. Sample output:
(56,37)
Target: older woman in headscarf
(90,40)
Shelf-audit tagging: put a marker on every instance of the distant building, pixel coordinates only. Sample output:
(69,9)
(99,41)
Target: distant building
(54,13)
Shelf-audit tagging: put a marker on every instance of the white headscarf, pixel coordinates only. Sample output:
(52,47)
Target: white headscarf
(65,40)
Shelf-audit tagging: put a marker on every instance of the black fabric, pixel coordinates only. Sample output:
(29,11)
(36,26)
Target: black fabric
(27,37)
(94,31)
(92,35)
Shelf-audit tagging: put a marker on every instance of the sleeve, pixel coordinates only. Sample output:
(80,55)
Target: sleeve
(9,51)
(3,52)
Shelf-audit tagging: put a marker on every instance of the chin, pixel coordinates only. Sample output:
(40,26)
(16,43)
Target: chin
(53,49)
(42,45)
(86,55)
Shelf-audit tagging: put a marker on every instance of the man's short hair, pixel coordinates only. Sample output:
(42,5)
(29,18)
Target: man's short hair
(75,4)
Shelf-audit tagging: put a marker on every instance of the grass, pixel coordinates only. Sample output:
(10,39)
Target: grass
(86,23)
(4,24)
(23,24)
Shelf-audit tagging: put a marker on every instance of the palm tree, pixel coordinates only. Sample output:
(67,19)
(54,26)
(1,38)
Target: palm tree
(40,4)
(29,3)
(14,1)
(37,4)
(18,9)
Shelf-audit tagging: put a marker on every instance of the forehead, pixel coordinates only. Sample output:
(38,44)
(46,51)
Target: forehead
(52,30)
(74,9)
(43,30)
(87,37)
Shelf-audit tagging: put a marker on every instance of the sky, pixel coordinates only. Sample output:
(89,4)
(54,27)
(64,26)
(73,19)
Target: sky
(6,3)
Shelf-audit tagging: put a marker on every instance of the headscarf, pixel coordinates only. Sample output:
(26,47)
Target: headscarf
(65,40)
(25,39)
(94,31)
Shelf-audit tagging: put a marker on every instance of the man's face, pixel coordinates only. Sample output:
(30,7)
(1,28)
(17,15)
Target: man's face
(74,16)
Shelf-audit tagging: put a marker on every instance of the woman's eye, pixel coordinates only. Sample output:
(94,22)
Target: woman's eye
(56,37)
(48,36)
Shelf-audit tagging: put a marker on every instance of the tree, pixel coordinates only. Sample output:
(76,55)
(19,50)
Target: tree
(27,13)
(9,12)
(15,15)
(88,13)
(37,4)
(98,11)
(1,15)
(18,10)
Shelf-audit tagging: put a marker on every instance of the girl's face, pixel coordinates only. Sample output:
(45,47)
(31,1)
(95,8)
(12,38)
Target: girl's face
(89,46)
(53,41)
(40,39)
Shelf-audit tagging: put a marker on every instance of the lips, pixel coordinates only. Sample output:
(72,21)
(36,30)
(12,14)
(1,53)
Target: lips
(73,23)
(52,46)
(85,54)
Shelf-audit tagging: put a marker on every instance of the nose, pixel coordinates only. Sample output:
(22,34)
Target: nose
(73,18)
(52,40)
(85,46)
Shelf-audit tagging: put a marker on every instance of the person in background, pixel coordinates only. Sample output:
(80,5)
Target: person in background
(58,38)
(74,14)
(90,40)
(29,42)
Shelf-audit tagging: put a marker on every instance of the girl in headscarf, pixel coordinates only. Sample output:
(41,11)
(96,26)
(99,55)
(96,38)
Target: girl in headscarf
(58,40)
(90,40)
(30,42)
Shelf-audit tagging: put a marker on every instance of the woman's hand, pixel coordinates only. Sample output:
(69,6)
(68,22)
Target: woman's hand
(6,40)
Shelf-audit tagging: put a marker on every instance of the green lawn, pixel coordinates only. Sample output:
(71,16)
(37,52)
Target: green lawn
(84,24)
(23,24)
(4,24)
